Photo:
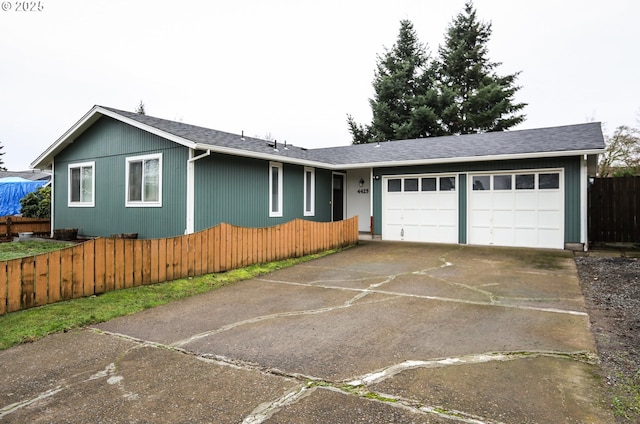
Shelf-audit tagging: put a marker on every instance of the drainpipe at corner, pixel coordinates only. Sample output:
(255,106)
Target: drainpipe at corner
(191,189)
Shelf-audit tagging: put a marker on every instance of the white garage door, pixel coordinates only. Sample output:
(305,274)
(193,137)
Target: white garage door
(524,208)
(420,208)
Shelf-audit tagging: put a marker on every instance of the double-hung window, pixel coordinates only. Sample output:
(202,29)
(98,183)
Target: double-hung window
(81,184)
(144,181)
(275,189)
(309,191)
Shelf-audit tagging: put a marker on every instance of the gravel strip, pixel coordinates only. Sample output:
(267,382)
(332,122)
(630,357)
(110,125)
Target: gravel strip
(611,287)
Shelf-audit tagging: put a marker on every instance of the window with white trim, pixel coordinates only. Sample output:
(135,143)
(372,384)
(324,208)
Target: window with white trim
(144,181)
(81,184)
(309,191)
(275,189)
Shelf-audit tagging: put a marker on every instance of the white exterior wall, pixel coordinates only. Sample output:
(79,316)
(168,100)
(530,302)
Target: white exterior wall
(359,198)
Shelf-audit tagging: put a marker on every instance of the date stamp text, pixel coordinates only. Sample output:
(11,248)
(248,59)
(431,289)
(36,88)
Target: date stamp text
(21,6)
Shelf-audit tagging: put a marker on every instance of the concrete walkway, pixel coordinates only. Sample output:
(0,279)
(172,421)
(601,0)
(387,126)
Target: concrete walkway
(380,333)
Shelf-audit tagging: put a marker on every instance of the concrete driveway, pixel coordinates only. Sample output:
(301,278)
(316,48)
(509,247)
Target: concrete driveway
(380,333)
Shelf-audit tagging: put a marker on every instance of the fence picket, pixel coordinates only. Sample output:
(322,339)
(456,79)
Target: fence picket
(55,282)
(28,283)
(77,286)
(14,289)
(42,280)
(3,288)
(88,277)
(100,266)
(66,274)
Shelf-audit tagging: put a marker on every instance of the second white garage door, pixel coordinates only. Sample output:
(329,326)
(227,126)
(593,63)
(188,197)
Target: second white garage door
(524,208)
(420,208)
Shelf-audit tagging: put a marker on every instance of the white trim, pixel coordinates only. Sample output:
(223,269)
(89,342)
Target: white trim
(53,200)
(142,203)
(451,160)
(191,190)
(277,212)
(344,194)
(311,197)
(80,203)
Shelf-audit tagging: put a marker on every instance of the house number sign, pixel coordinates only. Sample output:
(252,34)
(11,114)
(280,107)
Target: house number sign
(363,190)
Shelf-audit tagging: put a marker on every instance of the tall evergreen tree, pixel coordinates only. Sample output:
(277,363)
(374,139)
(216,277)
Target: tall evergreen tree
(405,101)
(474,97)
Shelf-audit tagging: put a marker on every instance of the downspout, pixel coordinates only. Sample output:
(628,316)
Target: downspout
(53,197)
(371,221)
(584,203)
(191,189)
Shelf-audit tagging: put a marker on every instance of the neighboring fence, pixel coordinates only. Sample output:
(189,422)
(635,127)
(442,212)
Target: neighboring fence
(106,264)
(12,225)
(614,210)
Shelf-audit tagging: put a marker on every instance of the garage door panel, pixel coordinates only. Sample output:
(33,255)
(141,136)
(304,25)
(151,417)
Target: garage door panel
(526,200)
(524,218)
(482,200)
(549,219)
(426,216)
(521,215)
(549,238)
(503,200)
(503,236)
(481,218)
(447,218)
(503,218)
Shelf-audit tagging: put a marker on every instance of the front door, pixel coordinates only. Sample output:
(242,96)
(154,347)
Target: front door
(338,197)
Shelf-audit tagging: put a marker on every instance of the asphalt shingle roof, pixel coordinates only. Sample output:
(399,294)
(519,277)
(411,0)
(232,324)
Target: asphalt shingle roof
(569,138)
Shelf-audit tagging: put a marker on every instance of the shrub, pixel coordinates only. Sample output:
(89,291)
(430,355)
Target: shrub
(37,204)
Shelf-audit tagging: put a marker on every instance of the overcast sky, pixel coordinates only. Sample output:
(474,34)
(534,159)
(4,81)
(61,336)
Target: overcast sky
(293,69)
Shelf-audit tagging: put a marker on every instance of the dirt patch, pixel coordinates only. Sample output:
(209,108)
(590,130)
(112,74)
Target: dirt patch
(611,287)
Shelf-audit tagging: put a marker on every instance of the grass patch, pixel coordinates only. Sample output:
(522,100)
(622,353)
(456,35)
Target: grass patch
(32,324)
(21,249)
(626,400)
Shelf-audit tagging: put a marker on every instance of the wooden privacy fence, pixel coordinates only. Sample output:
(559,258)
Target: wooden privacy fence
(105,264)
(614,210)
(12,225)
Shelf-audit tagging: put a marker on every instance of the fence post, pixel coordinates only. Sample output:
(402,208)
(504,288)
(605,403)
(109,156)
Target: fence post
(8,226)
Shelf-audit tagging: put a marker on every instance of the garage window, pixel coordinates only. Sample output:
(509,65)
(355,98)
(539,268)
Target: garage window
(428,184)
(502,182)
(447,183)
(394,185)
(481,182)
(525,182)
(549,181)
(411,184)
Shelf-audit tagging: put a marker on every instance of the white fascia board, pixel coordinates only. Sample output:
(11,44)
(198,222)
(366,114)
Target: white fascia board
(384,164)
(89,119)
(274,157)
(79,127)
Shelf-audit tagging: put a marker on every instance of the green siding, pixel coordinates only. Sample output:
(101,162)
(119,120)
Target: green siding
(571,166)
(235,190)
(462,208)
(109,142)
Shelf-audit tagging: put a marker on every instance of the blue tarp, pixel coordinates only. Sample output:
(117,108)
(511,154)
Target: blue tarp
(12,189)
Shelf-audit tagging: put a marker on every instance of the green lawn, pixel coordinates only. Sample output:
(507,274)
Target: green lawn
(31,324)
(20,249)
